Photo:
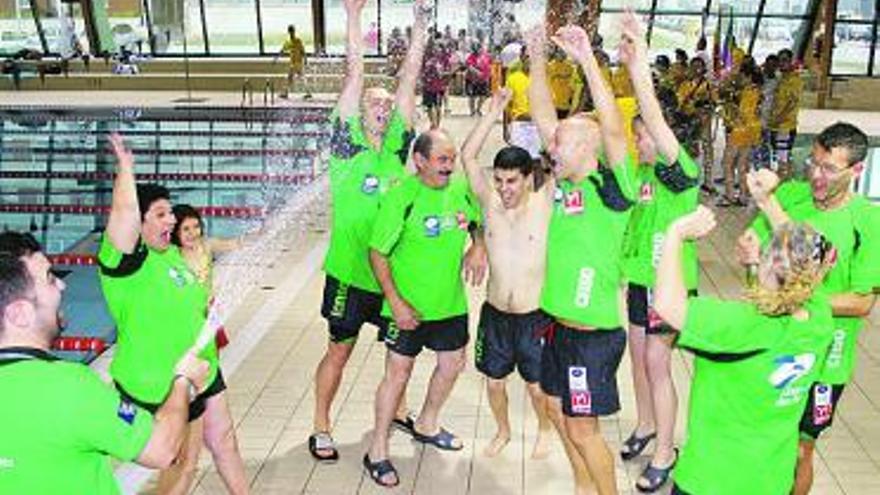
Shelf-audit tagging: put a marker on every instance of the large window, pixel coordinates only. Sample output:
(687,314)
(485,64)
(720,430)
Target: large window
(276,15)
(334,12)
(128,25)
(177,27)
(232,26)
(17,28)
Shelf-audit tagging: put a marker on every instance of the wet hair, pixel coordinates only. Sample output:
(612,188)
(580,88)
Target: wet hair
(681,54)
(423,145)
(514,158)
(847,136)
(181,213)
(148,194)
(771,58)
(785,52)
(19,244)
(662,61)
(291,29)
(15,281)
(799,258)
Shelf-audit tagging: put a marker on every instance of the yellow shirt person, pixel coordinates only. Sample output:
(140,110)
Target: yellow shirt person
(518,82)
(746,124)
(294,49)
(561,74)
(784,114)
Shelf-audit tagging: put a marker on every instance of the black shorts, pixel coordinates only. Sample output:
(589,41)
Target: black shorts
(450,334)
(819,414)
(507,340)
(476,88)
(781,144)
(580,367)
(196,407)
(432,100)
(346,308)
(638,305)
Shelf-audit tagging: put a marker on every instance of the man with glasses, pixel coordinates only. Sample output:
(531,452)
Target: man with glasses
(826,201)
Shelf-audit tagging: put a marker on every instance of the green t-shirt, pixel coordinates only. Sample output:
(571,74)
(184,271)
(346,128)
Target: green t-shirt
(584,271)
(159,308)
(423,232)
(752,376)
(359,175)
(661,202)
(850,228)
(59,423)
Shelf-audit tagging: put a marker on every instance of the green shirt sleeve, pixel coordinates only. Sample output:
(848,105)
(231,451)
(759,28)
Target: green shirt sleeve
(108,255)
(397,134)
(390,220)
(106,423)
(688,165)
(717,326)
(865,268)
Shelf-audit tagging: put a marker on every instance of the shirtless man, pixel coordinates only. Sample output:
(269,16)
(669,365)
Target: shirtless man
(511,321)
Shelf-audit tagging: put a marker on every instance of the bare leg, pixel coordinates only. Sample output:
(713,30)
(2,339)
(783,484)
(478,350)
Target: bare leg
(584,433)
(582,479)
(539,402)
(644,401)
(178,479)
(803,480)
(659,355)
(327,379)
(449,366)
(727,162)
(742,169)
(398,369)
(220,439)
(498,403)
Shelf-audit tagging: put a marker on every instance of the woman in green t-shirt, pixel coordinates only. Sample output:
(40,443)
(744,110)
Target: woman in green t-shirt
(754,360)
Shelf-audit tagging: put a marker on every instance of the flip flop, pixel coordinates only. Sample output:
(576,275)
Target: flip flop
(377,470)
(407,425)
(442,440)
(635,445)
(323,441)
(657,477)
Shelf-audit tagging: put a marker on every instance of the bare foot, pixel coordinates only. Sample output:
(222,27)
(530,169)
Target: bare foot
(541,450)
(497,444)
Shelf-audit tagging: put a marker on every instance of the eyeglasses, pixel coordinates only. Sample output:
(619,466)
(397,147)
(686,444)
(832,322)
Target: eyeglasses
(824,168)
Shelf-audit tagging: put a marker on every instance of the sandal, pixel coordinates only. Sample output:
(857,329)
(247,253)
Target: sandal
(635,445)
(442,440)
(406,425)
(378,470)
(323,441)
(656,477)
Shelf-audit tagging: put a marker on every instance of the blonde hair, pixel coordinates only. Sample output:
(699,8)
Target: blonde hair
(799,257)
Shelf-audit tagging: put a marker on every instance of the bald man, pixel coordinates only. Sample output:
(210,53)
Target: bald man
(419,236)
(371,136)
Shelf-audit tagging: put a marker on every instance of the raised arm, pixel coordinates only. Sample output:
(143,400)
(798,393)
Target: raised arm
(762,184)
(634,54)
(353,87)
(474,143)
(540,100)
(671,294)
(405,98)
(124,224)
(576,43)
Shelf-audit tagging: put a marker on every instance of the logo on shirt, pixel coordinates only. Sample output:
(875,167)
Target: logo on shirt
(180,276)
(558,195)
(646,192)
(370,184)
(835,354)
(432,226)
(7,463)
(790,368)
(823,404)
(574,202)
(127,411)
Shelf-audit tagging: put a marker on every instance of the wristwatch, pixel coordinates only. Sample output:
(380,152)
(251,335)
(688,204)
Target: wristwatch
(191,390)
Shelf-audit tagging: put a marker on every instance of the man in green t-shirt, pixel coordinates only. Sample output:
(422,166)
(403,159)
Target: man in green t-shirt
(754,360)
(59,421)
(417,250)
(368,148)
(668,186)
(850,222)
(583,278)
(160,308)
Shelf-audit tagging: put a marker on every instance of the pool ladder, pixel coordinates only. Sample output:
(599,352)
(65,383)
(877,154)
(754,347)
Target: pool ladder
(247,93)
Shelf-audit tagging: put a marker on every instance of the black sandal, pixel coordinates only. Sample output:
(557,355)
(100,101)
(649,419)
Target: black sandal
(406,425)
(657,477)
(323,441)
(378,470)
(635,445)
